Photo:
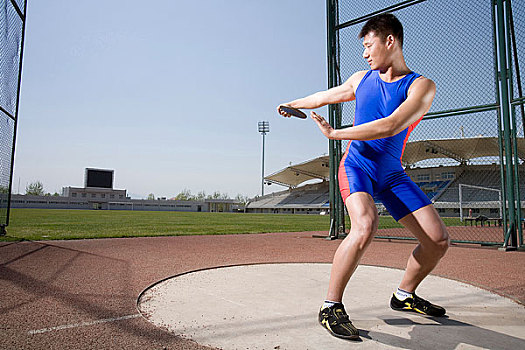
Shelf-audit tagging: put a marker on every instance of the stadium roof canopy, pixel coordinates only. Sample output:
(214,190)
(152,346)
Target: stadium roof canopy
(294,175)
(461,150)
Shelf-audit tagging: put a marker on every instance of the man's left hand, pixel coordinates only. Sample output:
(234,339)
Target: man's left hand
(323,125)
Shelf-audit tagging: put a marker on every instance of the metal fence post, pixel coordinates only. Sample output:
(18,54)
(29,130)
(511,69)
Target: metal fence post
(512,49)
(23,17)
(503,200)
(330,12)
(340,204)
(504,99)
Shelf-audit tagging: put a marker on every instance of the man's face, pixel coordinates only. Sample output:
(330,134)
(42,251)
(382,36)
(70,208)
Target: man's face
(376,50)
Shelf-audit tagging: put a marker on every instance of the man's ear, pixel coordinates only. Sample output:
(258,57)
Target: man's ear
(390,41)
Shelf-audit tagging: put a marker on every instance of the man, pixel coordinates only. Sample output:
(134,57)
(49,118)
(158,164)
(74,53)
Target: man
(390,101)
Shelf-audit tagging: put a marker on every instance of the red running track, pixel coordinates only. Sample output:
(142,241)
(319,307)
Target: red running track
(82,294)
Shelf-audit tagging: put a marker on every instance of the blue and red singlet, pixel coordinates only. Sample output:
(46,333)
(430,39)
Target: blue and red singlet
(375,166)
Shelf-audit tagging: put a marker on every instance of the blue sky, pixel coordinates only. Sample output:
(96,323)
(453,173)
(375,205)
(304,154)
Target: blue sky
(168,95)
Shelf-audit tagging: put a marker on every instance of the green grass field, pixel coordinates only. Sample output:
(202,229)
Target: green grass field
(45,224)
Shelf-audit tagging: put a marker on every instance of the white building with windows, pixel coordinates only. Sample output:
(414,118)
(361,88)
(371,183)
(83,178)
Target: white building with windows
(98,194)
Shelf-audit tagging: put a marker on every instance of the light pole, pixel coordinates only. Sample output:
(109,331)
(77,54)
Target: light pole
(264,127)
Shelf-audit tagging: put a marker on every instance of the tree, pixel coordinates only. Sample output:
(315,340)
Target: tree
(201,196)
(242,198)
(184,195)
(218,195)
(215,195)
(35,189)
(151,197)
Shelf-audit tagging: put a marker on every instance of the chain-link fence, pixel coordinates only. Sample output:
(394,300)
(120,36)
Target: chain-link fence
(459,147)
(12,25)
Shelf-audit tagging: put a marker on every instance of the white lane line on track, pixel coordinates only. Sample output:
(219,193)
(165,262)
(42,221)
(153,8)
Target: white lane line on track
(83,324)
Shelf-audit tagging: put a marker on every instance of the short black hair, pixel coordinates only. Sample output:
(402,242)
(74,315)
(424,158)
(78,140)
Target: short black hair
(383,25)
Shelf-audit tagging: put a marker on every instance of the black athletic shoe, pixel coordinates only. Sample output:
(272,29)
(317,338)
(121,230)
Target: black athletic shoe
(418,305)
(336,321)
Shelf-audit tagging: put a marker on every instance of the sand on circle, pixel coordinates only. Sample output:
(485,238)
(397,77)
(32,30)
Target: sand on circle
(275,306)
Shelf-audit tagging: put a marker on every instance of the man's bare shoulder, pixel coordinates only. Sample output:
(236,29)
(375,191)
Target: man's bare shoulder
(422,85)
(356,78)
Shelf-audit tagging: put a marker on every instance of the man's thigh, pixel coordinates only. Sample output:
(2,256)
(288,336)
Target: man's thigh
(426,225)
(402,196)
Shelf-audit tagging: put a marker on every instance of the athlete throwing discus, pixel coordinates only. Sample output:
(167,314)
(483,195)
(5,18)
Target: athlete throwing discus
(390,101)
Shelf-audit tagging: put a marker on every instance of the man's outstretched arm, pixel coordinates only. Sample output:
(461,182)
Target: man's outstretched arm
(418,103)
(338,94)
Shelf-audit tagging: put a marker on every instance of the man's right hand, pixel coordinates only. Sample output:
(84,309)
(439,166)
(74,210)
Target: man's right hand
(283,113)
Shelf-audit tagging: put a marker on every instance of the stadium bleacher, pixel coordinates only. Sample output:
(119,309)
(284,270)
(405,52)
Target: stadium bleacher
(314,198)
(482,176)
(433,188)
(476,172)
(307,199)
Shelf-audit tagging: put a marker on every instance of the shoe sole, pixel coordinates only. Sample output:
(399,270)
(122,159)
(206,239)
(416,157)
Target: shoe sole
(415,311)
(347,337)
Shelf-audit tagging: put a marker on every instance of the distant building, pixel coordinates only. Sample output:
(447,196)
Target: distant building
(108,203)
(99,196)
(98,193)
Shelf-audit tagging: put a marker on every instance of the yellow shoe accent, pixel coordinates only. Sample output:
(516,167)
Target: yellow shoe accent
(421,312)
(327,325)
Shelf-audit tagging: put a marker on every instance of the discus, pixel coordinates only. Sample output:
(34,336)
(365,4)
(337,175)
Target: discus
(293,111)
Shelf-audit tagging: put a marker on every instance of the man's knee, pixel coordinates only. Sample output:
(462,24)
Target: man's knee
(363,230)
(363,218)
(440,246)
(365,221)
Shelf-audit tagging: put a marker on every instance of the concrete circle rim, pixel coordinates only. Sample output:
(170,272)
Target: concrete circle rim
(141,294)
